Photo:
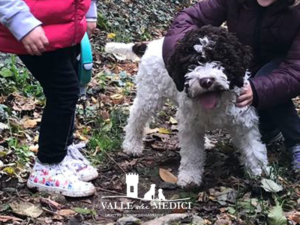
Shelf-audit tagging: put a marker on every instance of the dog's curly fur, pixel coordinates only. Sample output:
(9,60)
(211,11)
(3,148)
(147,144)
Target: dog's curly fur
(224,47)
(210,65)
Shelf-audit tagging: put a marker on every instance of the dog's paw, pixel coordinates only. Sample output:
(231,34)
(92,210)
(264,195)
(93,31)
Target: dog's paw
(133,149)
(132,153)
(187,181)
(188,186)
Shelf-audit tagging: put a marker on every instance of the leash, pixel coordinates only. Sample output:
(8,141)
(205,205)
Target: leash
(85,65)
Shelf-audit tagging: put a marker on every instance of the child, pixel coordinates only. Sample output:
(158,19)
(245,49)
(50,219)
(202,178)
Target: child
(46,36)
(272,29)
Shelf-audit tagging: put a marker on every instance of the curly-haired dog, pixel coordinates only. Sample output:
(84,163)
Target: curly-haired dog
(210,65)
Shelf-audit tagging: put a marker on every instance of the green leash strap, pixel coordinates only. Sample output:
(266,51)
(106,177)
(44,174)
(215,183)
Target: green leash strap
(85,64)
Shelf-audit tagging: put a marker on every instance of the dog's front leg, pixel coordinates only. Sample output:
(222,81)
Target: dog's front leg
(143,108)
(191,138)
(253,151)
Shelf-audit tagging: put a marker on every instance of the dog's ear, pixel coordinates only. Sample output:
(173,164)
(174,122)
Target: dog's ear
(140,48)
(247,51)
(179,81)
(175,66)
(241,65)
(236,81)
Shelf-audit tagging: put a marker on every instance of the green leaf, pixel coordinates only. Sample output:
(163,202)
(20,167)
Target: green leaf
(84,211)
(276,216)
(6,73)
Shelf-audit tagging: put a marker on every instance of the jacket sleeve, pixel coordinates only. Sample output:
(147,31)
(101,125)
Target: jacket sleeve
(213,12)
(283,83)
(91,15)
(16,16)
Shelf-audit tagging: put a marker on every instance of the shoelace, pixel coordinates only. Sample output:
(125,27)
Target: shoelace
(76,154)
(66,169)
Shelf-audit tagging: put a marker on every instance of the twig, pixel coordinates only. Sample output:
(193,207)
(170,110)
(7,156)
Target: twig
(115,162)
(113,192)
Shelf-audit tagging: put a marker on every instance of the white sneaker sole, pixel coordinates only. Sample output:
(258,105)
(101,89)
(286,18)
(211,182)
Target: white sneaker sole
(57,190)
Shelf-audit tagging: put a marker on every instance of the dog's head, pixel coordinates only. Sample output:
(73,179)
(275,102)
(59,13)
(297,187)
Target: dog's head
(207,61)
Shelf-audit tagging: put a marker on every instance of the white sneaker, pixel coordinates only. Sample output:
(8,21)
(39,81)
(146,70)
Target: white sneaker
(81,166)
(59,178)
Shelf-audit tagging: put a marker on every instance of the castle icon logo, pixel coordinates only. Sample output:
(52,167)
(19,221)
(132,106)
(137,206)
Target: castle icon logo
(132,181)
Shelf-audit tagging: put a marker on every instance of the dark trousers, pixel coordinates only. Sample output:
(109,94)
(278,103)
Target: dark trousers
(283,117)
(57,73)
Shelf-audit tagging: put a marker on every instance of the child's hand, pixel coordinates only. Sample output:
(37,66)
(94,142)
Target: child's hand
(35,41)
(246,96)
(91,27)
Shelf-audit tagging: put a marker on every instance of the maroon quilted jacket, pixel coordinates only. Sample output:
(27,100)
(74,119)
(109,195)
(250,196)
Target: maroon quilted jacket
(271,31)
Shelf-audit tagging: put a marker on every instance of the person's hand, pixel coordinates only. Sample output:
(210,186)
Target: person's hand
(91,27)
(246,96)
(35,41)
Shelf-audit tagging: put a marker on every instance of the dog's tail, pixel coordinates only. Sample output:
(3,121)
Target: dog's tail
(130,51)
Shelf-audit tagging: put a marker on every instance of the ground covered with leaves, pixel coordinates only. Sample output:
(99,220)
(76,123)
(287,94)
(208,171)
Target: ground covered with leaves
(227,195)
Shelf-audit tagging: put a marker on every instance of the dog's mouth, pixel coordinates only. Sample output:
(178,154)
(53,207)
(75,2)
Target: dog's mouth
(209,100)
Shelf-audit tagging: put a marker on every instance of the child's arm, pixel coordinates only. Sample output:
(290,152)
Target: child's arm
(91,17)
(282,84)
(16,16)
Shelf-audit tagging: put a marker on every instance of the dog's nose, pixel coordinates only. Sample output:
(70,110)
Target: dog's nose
(206,82)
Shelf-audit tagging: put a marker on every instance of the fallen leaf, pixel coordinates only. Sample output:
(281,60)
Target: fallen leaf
(167,176)
(31,123)
(34,148)
(66,212)
(173,120)
(3,127)
(94,100)
(117,96)
(295,217)
(9,171)
(164,131)
(276,216)
(111,35)
(26,209)
(270,186)
(50,203)
(84,211)
(223,220)
(9,218)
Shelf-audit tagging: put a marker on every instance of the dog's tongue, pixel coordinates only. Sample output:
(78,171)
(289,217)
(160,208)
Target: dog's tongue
(208,100)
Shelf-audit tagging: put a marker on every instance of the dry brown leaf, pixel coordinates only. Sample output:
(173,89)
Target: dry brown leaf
(9,218)
(66,212)
(31,123)
(295,217)
(20,103)
(26,209)
(50,203)
(117,96)
(94,100)
(34,148)
(167,176)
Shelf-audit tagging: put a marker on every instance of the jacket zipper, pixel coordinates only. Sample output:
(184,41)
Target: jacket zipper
(257,32)
(75,22)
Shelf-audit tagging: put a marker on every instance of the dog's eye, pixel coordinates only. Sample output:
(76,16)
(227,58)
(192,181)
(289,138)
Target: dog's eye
(192,67)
